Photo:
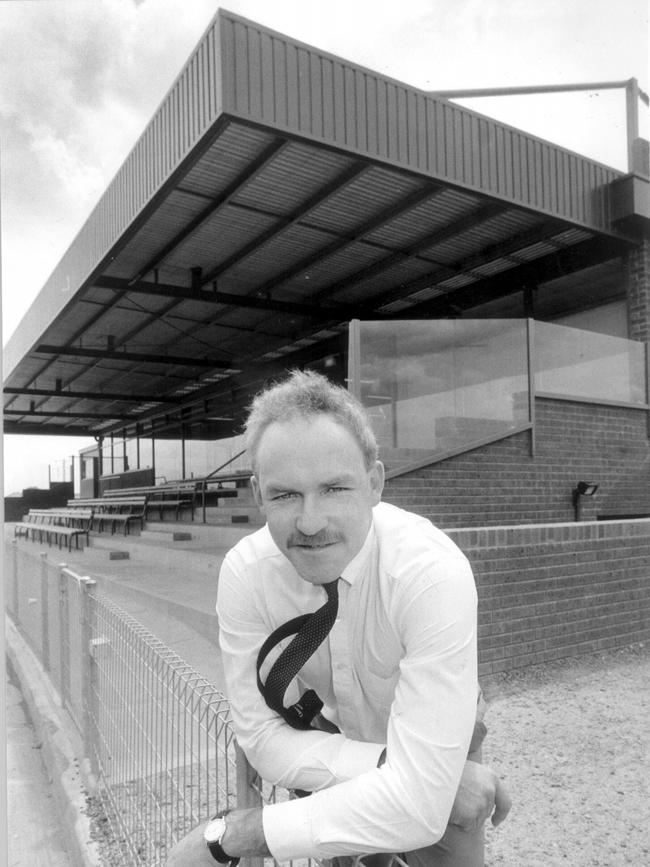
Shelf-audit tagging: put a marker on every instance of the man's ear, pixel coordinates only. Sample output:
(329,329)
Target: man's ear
(377,478)
(257,494)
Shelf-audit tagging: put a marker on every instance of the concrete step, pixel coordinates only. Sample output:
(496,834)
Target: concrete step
(218,536)
(158,552)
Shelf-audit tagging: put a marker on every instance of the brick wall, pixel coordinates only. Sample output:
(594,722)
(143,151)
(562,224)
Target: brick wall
(555,591)
(637,284)
(503,484)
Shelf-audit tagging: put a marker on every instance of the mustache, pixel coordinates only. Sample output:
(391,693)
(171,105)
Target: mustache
(300,540)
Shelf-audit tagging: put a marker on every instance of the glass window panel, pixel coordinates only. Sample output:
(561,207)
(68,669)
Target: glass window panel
(169,460)
(118,455)
(436,386)
(132,454)
(203,457)
(107,462)
(570,363)
(146,454)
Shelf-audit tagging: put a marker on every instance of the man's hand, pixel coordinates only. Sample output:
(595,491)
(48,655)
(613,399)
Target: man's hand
(244,837)
(480,795)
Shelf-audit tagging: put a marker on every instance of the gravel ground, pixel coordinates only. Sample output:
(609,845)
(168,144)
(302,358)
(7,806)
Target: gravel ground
(571,741)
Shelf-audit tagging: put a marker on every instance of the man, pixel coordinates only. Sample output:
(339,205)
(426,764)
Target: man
(386,756)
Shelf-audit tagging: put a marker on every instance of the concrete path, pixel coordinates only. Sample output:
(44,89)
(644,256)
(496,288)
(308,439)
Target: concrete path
(33,818)
(170,588)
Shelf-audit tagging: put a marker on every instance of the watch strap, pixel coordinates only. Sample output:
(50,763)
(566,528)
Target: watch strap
(216,849)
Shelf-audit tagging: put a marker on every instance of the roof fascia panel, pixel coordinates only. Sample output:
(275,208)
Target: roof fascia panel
(284,84)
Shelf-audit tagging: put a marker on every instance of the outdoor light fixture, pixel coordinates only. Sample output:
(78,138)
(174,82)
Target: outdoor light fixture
(582,489)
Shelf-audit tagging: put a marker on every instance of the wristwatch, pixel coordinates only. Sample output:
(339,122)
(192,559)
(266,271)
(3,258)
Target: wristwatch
(213,834)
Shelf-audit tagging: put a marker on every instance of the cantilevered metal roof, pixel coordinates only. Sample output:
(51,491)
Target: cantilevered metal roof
(277,193)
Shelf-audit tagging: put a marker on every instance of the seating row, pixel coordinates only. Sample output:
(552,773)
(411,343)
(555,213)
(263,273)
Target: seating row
(114,512)
(179,496)
(56,526)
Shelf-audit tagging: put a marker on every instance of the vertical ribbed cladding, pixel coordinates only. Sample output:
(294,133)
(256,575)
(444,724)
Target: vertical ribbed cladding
(276,81)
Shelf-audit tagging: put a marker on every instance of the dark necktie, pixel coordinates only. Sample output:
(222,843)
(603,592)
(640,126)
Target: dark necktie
(310,631)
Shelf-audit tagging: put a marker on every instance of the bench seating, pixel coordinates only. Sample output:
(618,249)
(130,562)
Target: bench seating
(114,512)
(161,497)
(56,526)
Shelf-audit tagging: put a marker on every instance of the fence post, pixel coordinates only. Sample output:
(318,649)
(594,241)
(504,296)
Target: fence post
(249,793)
(14,586)
(64,634)
(45,613)
(87,662)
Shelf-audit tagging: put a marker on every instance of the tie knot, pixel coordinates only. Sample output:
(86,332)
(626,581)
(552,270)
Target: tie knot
(332,590)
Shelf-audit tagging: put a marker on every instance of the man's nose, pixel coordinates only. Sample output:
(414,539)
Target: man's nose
(311,519)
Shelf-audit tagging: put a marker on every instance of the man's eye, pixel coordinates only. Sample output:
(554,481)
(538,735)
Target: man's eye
(287,495)
(336,489)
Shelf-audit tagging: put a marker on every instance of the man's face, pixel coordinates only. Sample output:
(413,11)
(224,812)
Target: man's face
(316,494)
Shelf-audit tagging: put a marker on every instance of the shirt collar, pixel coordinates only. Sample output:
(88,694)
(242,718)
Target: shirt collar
(358,563)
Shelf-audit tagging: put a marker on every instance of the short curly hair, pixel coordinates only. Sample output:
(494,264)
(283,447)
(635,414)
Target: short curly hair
(301,395)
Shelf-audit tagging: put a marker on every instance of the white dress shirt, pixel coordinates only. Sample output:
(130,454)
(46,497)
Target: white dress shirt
(398,670)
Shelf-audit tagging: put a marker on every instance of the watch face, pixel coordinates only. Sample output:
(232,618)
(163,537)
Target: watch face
(214,830)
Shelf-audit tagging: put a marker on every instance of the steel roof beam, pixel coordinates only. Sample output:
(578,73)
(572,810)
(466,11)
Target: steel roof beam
(332,312)
(376,222)
(140,357)
(245,177)
(475,218)
(89,395)
(39,413)
(542,270)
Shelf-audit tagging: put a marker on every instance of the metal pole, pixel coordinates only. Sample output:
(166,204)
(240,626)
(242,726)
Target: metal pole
(633,94)
(632,121)
(64,635)
(354,360)
(45,613)
(530,360)
(248,793)
(14,587)
(86,585)
(468,93)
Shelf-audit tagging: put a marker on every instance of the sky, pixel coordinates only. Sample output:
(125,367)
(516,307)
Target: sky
(82,78)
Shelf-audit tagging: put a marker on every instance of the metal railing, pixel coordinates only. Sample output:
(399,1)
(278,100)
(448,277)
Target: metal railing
(156,735)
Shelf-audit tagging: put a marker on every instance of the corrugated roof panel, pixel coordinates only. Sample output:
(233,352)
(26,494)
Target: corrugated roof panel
(228,157)
(571,236)
(474,239)
(337,267)
(456,282)
(389,279)
(535,251)
(293,177)
(283,254)
(362,200)
(216,240)
(436,212)
(495,266)
(178,209)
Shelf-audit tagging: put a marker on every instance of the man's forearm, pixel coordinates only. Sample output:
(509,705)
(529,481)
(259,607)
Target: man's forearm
(244,837)
(477,798)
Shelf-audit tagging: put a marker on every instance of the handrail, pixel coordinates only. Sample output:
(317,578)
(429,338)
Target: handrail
(204,481)
(223,466)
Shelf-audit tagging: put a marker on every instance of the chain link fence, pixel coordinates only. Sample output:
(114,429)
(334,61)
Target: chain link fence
(157,736)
